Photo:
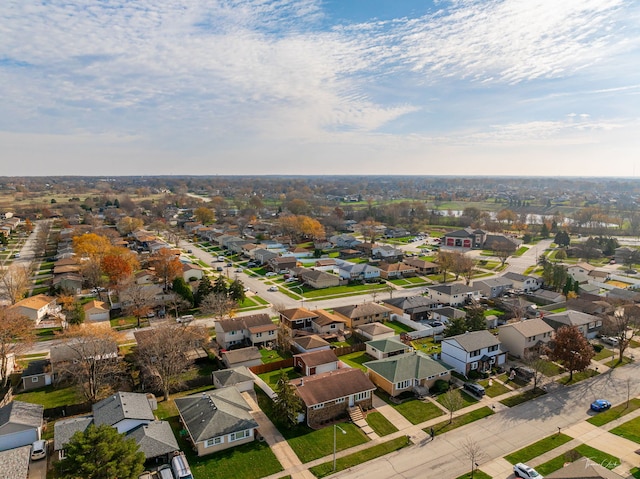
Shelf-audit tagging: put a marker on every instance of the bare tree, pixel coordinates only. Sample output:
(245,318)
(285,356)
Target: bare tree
(502,253)
(218,305)
(163,352)
(16,335)
(138,299)
(453,401)
(16,281)
(623,324)
(473,452)
(89,358)
(539,367)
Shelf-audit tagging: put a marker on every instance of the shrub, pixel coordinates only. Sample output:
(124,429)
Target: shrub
(597,347)
(439,387)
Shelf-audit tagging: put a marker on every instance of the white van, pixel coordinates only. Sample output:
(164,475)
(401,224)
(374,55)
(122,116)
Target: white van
(164,472)
(180,467)
(185,319)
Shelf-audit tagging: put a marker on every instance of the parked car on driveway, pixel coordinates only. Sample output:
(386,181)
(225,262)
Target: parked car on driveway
(609,340)
(600,405)
(38,450)
(526,472)
(475,389)
(270,273)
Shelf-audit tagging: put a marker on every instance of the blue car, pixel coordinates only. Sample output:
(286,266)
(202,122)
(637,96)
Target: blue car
(600,405)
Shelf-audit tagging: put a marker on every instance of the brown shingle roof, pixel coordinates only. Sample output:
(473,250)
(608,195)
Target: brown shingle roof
(245,322)
(332,385)
(315,358)
(297,313)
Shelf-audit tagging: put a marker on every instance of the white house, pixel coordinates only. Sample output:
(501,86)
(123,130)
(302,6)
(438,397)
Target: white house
(360,271)
(526,337)
(36,307)
(525,283)
(473,351)
(455,294)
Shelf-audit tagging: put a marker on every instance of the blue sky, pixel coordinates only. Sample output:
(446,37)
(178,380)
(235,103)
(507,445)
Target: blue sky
(462,87)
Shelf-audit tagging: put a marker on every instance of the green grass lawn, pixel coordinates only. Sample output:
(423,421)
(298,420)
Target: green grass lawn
(272,355)
(272,377)
(577,377)
(573,455)
(629,430)
(614,413)
(313,444)
(414,410)
(343,290)
(615,364)
(51,397)
(635,472)
(467,399)
(537,448)
(399,328)
(249,461)
(426,345)
(477,474)
(604,354)
(380,424)
(356,359)
(496,388)
(524,397)
(360,457)
(445,426)
(520,251)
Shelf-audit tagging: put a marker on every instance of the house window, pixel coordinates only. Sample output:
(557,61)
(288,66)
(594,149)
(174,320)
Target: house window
(214,441)
(444,373)
(474,365)
(333,326)
(404,384)
(430,377)
(317,406)
(362,395)
(258,335)
(492,348)
(232,332)
(340,400)
(35,379)
(236,436)
(474,353)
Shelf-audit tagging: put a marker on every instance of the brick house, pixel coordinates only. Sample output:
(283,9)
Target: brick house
(359,314)
(252,330)
(329,395)
(396,270)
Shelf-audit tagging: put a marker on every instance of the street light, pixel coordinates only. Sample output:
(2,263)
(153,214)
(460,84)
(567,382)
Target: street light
(335,426)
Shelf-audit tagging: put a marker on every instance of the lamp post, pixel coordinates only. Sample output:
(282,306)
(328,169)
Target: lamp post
(335,427)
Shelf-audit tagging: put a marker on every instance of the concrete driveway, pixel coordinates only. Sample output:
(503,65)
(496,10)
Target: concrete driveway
(38,469)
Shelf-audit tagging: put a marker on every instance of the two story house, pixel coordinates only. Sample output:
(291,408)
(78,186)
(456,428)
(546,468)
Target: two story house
(358,314)
(525,283)
(588,324)
(473,351)
(455,294)
(253,330)
(526,338)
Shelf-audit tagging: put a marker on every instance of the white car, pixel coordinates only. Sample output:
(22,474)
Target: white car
(273,289)
(270,273)
(526,472)
(38,450)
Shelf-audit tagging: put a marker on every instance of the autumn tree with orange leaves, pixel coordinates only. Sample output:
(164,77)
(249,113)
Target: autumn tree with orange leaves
(119,263)
(166,264)
(302,227)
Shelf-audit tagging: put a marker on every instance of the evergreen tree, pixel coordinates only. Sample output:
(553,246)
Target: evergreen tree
(562,238)
(456,326)
(76,315)
(287,404)
(220,285)
(475,319)
(204,288)
(101,452)
(544,231)
(236,291)
(182,289)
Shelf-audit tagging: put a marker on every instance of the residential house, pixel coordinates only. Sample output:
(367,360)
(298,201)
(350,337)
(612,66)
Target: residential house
(307,344)
(123,411)
(239,377)
(454,294)
(422,266)
(358,314)
(14,463)
(501,243)
(326,264)
(520,307)
(297,319)
(583,468)
(619,294)
(96,311)
(37,374)
(71,282)
(588,325)
(216,420)
(247,357)
(373,331)
(344,241)
(10,365)
(327,324)
(527,338)
(72,352)
(386,347)
(36,307)
(316,362)
(358,272)
(263,256)
(524,283)
(282,263)
(191,271)
(254,330)
(590,304)
(317,279)
(64,429)
(349,253)
(493,287)
(447,314)
(396,270)
(20,424)
(473,351)
(387,253)
(145,276)
(414,371)
(416,307)
(155,440)
(582,269)
(329,395)
(545,296)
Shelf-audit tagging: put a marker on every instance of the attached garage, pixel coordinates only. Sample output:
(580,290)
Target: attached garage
(20,424)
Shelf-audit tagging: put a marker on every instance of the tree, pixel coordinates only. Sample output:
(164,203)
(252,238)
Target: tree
(128,225)
(182,289)
(101,452)
(137,299)
(475,320)
(572,348)
(561,255)
(16,336)
(302,227)
(445,261)
(75,315)
(544,231)
(623,324)
(453,401)
(236,291)
(162,353)
(218,305)
(463,265)
(287,404)
(15,282)
(91,361)
(502,252)
(119,264)
(538,365)
(91,245)
(472,451)
(562,238)
(204,289)
(456,326)
(167,265)
(204,215)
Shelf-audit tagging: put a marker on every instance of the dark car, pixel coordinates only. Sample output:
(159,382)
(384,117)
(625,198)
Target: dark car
(219,268)
(475,389)
(600,405)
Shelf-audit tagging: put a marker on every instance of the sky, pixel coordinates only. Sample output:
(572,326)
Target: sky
(354,87)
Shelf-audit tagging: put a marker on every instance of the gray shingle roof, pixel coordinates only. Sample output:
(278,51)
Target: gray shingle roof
(154,439)
(14,463)
(474,340)
(65,428)
(572,318)
(452,289)
(360,310)
(232,376)
(20,416)
(415,365)
(215,413)
(122,405)
(530,327)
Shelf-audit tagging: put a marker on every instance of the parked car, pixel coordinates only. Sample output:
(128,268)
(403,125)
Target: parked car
(38,450)
(221,258)
(526,472)
(600,405)
(17,255)
(610,341)
(184,319)
(180,467)
(219,268)
(524,373)
(238,270)
(273,289)
(189,251)
(475,388)
(251,264)
(164,472)
(270,273)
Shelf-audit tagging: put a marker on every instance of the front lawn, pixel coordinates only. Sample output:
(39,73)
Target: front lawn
(496,388)
(446,426)
(578,376)
(467,399)
(51,397)
(629,430)
(414,410)
(573,455)
(524,397)
(356,359)
(603,354)
(615,364)
(477,474)
(538,448)
(614,413)
(249,461)
(360,457)
(380,424)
